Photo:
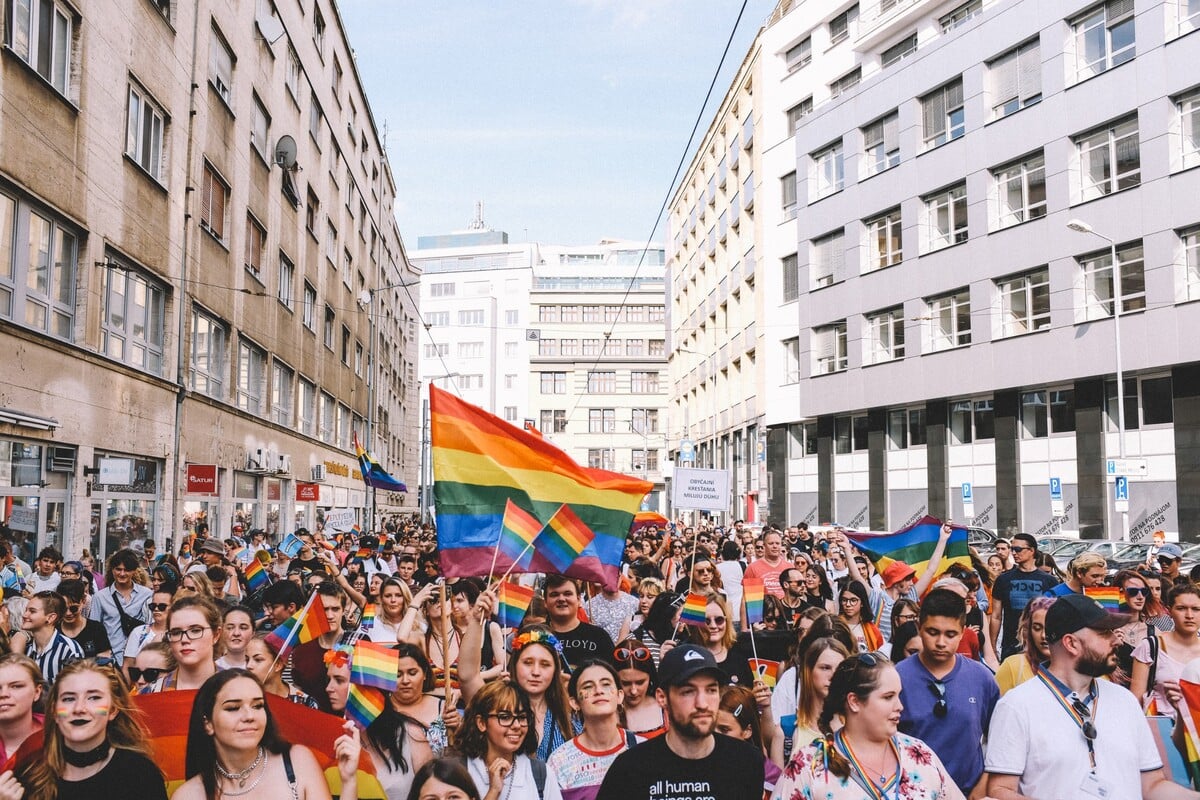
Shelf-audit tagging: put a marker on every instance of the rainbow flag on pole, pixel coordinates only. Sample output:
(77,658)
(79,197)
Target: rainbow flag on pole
(564,538)
(480,462)
(518,530)
(1111,597)
(914,546)
(694,611)
(375,665)
(514,601)
(363,705)
(754,592)
(305,625)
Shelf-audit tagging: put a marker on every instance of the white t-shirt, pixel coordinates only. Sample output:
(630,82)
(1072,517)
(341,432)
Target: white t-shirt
(519,785)
(1032,736)
(731,578)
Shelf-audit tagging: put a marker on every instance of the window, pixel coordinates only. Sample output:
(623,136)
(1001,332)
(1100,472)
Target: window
(1188,108)
(510,349)
(802,440)
(1109,160)
(601,458)
(906,428)
(950,320)
(331,241)
(1021,191)
(1014,80)
(553,421)
(787,191)
(887,335)
(1098,281)
(946,215)
(602,420)
(282,400)
(791,277)
(642,460)
(256,239)
(1024,302)
(656,347)
(798,112)
(850,434)
(960,15)
(312,212)
(337,80)
(309,314)
(591,313)
(971,420)
(214,197)
(1189,16)
(547,347)
(568,347)
(1190,239)
(554,382)
(470,381)
(260,127)
(437,350)
(644,382)
(1148,401)
(284,291)
(41,34)
(330,321)
(791,360)
(829,346)
(634,347)
(471,349)
(894,54)
(644,420)
(250,375)
(316,120)
(208,355)
(133,323)
(845,82)
(547,313)
(601,382)
(881,143)
(346,339)
(828,260)
(1104,38)
(512,316)
(220,66)
(37,275)
(656,313)
(307,407)
(327,421)
(319,31)
(942,116)
(829,166)
(1044,412)
(438,319)
(292,73)
(441,290)
(799,55)
(145,127)
(570,313)
(884,240)
(839,26)
(473,316)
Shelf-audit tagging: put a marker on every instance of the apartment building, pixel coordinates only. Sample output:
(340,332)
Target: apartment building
(947,316)
(198,233)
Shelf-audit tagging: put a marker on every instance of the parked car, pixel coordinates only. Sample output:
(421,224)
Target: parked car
(982,539)
(1051,544)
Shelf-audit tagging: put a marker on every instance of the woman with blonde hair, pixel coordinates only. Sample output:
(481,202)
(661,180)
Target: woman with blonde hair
(1031,632)
(97,746)
(719,637)
(23,681)
(193,631)
(196,583)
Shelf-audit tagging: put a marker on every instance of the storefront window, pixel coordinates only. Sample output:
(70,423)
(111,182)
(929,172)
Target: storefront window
(120,522)
(20,464)
(245,504)
(199,516)
(274,495)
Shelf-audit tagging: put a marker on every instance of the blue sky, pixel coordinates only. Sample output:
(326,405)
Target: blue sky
(565,118)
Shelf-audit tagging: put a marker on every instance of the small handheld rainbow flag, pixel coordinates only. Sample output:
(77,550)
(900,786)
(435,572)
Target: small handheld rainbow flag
(564,538)
(518,529)
(362,552)
(754,592)
(513,602)
(368,618)
(305,625)
(1111,597)
(363,705)
(374,665)
(256,575)
(694,610)
(764,670)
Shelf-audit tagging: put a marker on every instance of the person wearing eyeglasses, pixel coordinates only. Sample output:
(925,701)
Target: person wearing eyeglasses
(1065,733)
(89,634)
(499,743)
(1013,590)
(638,677)
(154,631)
(193,630)
(579,765)
(948,699)
(868,757)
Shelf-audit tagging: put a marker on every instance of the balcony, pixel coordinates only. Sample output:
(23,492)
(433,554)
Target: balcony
(749,263)
(880,20)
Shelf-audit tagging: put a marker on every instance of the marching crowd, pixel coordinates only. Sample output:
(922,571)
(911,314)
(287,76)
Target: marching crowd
(1001,679)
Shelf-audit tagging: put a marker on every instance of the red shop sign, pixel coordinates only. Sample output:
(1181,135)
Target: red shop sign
(202,479)
(307,492)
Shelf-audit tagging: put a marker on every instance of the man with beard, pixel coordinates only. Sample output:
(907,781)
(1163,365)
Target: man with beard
(1066,734)
(689,761)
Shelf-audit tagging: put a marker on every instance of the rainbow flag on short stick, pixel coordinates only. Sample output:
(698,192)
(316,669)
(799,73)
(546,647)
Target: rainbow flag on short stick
(368,618)
(695,610)
(363,705)
(518,530)
(305,625)
(256,575)
(1111,597)
(754,592)
(564,538)
(764,670)
(514,600)
(374,665)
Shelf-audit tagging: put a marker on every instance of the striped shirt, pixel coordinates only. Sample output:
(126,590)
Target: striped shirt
(60,651)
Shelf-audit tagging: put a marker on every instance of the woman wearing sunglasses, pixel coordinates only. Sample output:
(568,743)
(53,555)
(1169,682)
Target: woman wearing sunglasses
(719,637)
(152,662)
(867,757)
(580,764)
(638,678)
(1139,602)
(144,635)
(89,634)
(1158,661)
(498,741)
(193,631)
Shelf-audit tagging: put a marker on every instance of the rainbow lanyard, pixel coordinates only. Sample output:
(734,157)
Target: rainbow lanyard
(864,778)
(1064,700)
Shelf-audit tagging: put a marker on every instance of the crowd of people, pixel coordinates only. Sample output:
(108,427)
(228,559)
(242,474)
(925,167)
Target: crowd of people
(1000,679)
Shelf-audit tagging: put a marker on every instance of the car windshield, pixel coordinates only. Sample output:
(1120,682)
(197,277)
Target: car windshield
(1133,552)
(1070,550)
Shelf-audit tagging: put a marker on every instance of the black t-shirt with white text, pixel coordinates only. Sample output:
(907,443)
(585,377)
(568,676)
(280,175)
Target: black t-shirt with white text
(1013,590)
(585,641)
(651,770)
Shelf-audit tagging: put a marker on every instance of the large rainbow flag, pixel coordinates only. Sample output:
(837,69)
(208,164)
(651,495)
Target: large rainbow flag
(480,462)
(914,546)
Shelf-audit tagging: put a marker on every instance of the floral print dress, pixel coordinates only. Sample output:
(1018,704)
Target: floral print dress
(921,777)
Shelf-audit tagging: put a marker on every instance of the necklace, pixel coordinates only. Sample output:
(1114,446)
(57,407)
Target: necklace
(241,777)
(88,757)
(265,761)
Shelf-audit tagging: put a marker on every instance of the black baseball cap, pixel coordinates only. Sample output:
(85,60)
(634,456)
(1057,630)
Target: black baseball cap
(1074,612)
(682,662)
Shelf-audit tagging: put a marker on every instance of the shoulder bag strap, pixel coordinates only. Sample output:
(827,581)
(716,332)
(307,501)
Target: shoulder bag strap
(1154,645)
(291,773)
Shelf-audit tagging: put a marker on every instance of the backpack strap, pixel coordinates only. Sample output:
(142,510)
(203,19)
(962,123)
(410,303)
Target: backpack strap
(1154,644)
(539,775)
(290,772)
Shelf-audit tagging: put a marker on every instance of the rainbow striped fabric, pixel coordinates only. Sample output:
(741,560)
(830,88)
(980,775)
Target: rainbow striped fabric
(374,665)
(754,592)
(518,530)
(513,602)
(914,546)
(564,538)
(694,610)
(368,618)
(305,625)
(363,705)
(1111,597)
(480,462)
(764,670)
(256,575)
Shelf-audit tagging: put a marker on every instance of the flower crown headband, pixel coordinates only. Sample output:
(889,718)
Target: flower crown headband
(537,637)
(338,655)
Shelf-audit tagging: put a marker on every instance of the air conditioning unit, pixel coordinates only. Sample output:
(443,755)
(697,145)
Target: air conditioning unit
(60,459)
(318,473)
(283,464)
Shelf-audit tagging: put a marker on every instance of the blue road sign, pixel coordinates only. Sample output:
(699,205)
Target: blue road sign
(1056,489)
(968,494)
(1122,483)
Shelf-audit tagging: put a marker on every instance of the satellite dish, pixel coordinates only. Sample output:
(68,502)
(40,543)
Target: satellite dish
(285,152)
(268,21)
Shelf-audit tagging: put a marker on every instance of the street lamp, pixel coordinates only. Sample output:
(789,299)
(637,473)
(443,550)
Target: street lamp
(1079,226)
(425,468)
